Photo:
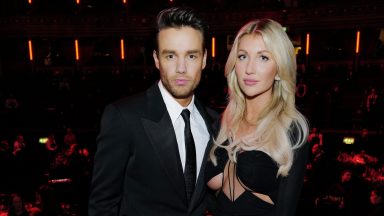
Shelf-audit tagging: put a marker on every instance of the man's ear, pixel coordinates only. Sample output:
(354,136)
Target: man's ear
(204,59)
(156,58)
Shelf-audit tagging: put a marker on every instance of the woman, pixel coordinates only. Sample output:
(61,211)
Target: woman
(258,161)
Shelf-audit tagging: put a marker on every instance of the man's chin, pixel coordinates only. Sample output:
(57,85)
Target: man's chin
(182,96)
(182,92)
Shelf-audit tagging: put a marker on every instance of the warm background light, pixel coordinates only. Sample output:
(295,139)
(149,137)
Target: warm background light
(307,44)
(77,50)
(122,49)
(43,140)
(297,50)
(349,140)
(213,47)
(357,42)
(30,50)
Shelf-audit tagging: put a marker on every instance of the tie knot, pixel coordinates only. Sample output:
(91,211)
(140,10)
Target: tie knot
(185,114)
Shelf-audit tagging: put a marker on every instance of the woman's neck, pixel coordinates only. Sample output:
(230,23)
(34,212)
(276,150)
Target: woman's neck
(253,108)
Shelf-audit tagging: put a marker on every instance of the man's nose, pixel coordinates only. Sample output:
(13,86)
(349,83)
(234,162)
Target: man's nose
(181,66)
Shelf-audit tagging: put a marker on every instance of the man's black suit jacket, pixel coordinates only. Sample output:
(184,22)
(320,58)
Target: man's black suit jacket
(137,169)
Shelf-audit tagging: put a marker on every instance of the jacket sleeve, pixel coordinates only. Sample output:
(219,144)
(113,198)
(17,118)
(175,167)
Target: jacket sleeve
(109,164)
(290,186)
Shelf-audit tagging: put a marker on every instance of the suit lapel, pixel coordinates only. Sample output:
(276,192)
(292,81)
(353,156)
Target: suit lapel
(158,126)
(161,134)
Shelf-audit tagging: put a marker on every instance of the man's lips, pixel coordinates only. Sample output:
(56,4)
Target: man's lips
(181,81)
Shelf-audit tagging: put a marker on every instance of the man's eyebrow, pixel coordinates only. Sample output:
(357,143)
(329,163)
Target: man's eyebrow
(168,52)
(173,52)
(193,51)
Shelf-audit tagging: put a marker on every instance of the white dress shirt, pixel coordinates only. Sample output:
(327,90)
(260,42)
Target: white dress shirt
(198,127)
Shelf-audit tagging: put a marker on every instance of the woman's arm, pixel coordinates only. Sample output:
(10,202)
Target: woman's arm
(290,186)
(214,174)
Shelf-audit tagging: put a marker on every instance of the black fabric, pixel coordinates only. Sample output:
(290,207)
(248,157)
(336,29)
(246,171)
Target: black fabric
(190,159)
(137,167)
(246,204)
(290,187)
(257,171)
(284,191)
(211,169)
(254,170)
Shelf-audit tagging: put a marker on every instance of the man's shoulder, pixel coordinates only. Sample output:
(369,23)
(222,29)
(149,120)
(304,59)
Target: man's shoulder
(211,112)
(130,100)
(135,102)
(202,107)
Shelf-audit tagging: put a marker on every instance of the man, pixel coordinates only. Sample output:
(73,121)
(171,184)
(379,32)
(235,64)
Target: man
(141,161)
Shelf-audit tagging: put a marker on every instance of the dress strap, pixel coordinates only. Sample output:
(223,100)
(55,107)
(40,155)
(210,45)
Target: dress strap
(231,182)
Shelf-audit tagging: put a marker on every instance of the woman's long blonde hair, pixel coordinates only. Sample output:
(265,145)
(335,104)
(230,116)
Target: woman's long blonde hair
(280,127)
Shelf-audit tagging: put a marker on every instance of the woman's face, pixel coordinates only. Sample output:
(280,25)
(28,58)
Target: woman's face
(255,67)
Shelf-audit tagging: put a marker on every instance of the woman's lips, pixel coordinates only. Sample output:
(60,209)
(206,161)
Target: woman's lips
(250,82)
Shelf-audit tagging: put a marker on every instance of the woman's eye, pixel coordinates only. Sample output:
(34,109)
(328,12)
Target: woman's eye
(264,58)
(241,57)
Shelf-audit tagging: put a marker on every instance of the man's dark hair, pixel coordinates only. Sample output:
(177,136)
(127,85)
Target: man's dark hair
(178,17)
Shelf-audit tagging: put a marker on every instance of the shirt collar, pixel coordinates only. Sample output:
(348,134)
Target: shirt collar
(173,107)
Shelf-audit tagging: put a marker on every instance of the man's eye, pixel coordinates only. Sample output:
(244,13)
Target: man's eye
(170,56)
(192,56)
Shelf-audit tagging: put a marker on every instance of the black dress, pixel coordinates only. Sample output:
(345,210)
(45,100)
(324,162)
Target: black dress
(257,172)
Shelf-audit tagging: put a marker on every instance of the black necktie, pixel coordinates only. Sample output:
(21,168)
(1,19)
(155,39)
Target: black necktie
(190,159)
